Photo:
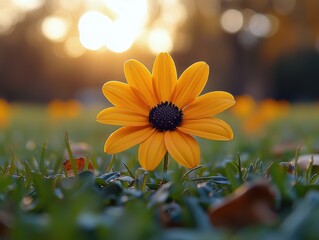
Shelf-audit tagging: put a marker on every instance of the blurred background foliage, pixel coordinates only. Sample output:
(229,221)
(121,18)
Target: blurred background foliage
(66,49)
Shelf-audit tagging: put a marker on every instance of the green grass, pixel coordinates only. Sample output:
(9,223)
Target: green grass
(122,201)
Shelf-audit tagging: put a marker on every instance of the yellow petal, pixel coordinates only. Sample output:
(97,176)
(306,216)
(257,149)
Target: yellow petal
(126,137)
(164,76)
(152,151)
(183,148)
(208,105)
(190,84)
(210,128)
(121,117)
(121,95)
(140,80)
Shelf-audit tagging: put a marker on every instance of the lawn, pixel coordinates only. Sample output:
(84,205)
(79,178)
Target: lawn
(247,188)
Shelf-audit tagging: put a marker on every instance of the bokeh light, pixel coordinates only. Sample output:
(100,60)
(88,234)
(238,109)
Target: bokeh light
(120,37)
(129,9)
(173,12)
(69,5)
(129,20)
(73,47)
(94,29)
(28,5)
(260,25)
(232,20)
(9,16)
(159,40)
(284,6)
(81,34)
(54,28)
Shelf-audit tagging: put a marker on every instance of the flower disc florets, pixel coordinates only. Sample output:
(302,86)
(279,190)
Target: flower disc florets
(165,116)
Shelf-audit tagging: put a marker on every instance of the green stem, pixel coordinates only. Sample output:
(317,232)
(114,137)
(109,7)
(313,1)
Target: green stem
(144,181)
(165,167)
(165,163)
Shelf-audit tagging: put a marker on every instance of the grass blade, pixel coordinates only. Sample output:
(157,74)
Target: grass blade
(67,145)
(42,159)
(129,171)
(192,170)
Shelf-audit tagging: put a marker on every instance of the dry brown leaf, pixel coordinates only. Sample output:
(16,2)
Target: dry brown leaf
(249,205)
(303,162)
(79,164)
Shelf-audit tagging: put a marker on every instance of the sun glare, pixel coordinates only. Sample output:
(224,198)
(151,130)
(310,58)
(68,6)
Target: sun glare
(94,28)
(110,24)
(117,32)
(121,38)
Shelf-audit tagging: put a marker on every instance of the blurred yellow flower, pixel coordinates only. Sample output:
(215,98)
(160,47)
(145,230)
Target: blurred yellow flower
(272,109)
(73,108)
(59,109)
(244,106)
(256,116)
(162,114)
(4,113)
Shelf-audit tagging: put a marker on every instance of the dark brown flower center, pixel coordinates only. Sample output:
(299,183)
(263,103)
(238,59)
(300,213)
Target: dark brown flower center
(165,116)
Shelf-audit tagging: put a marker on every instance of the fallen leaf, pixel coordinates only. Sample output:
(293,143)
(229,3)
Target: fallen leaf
(303,162)
(249,205)
(79,164)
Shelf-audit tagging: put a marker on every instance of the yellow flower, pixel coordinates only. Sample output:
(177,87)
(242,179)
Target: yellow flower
(256,116)
(272,109)
(59,109)
(162,114)
(244,107)
(4,113)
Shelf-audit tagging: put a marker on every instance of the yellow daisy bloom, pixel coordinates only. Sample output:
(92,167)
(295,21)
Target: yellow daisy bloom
(163,113)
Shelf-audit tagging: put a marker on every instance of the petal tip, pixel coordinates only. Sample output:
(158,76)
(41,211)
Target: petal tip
(231,135)
(131,64)
(108,148)
(98,116)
